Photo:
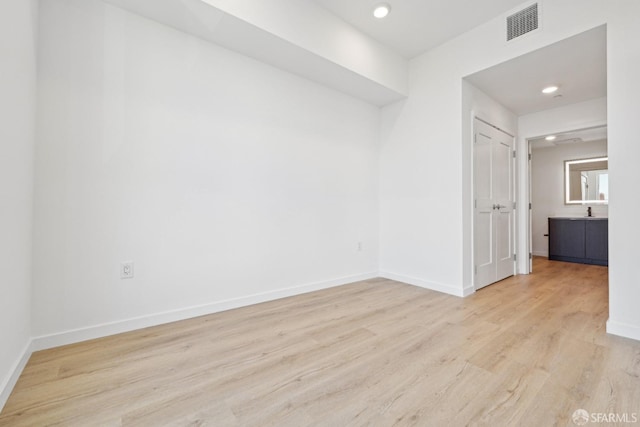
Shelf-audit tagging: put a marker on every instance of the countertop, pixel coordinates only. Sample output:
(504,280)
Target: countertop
(590,218)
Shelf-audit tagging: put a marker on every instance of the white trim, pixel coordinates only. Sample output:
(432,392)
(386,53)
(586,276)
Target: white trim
(541,253)
(102,330)
(472,202)
(7,385)
(439,287)
(468,291)
(488,123)
(623,330)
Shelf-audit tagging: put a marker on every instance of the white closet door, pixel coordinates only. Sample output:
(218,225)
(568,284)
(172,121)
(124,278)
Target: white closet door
(493,201)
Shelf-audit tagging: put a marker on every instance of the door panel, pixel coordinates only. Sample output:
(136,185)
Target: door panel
(484,240)
(503,236)
(483,161)
(493,199)
(505,267)
(501,171)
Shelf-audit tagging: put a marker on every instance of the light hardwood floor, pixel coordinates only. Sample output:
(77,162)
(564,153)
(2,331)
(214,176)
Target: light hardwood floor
(529,350)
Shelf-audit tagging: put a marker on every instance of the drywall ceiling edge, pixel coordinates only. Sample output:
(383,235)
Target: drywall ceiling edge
(209,23)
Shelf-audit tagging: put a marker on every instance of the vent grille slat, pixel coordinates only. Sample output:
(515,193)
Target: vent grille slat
(522,22)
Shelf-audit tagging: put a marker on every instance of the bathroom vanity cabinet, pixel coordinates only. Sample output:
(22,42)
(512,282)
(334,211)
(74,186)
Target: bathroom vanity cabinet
(582,240)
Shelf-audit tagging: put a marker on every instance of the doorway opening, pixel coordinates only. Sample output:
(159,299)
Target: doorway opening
(568,178)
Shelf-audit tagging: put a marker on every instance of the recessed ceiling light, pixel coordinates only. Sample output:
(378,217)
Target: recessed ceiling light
(550,89)
(381,10)
(550,138)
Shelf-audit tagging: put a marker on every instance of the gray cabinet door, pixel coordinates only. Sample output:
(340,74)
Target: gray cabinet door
(566,238)
(597,240)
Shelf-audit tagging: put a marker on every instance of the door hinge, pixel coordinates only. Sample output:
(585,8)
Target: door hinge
(475,269)
(530,206)
(514,206)
(515,257)
(529,156)
(475,204)
(475,138)
(514,154)
(530,255)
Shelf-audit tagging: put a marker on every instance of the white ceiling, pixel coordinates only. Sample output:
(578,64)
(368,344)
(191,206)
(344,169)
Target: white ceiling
(578,65)
(415,26)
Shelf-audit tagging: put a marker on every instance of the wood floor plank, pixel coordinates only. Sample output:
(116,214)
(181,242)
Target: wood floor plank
(529,350)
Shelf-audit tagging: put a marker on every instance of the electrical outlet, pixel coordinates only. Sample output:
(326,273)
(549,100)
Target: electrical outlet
(126,270)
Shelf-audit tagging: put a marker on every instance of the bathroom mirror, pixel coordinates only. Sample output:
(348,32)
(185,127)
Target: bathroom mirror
(586,181)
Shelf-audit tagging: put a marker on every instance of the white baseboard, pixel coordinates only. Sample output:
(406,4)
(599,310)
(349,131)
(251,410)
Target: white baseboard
(468,291)
(541,253)
(102,330)
(447,289)
(623,330)
(7,385)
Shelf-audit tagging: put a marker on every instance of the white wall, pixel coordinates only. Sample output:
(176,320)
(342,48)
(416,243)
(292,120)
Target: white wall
(624,110)
(18,20)
(422,215)
(547,188)
(225,180)
(419,199)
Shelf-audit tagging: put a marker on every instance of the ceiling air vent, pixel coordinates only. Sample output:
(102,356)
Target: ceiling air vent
(522,22)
